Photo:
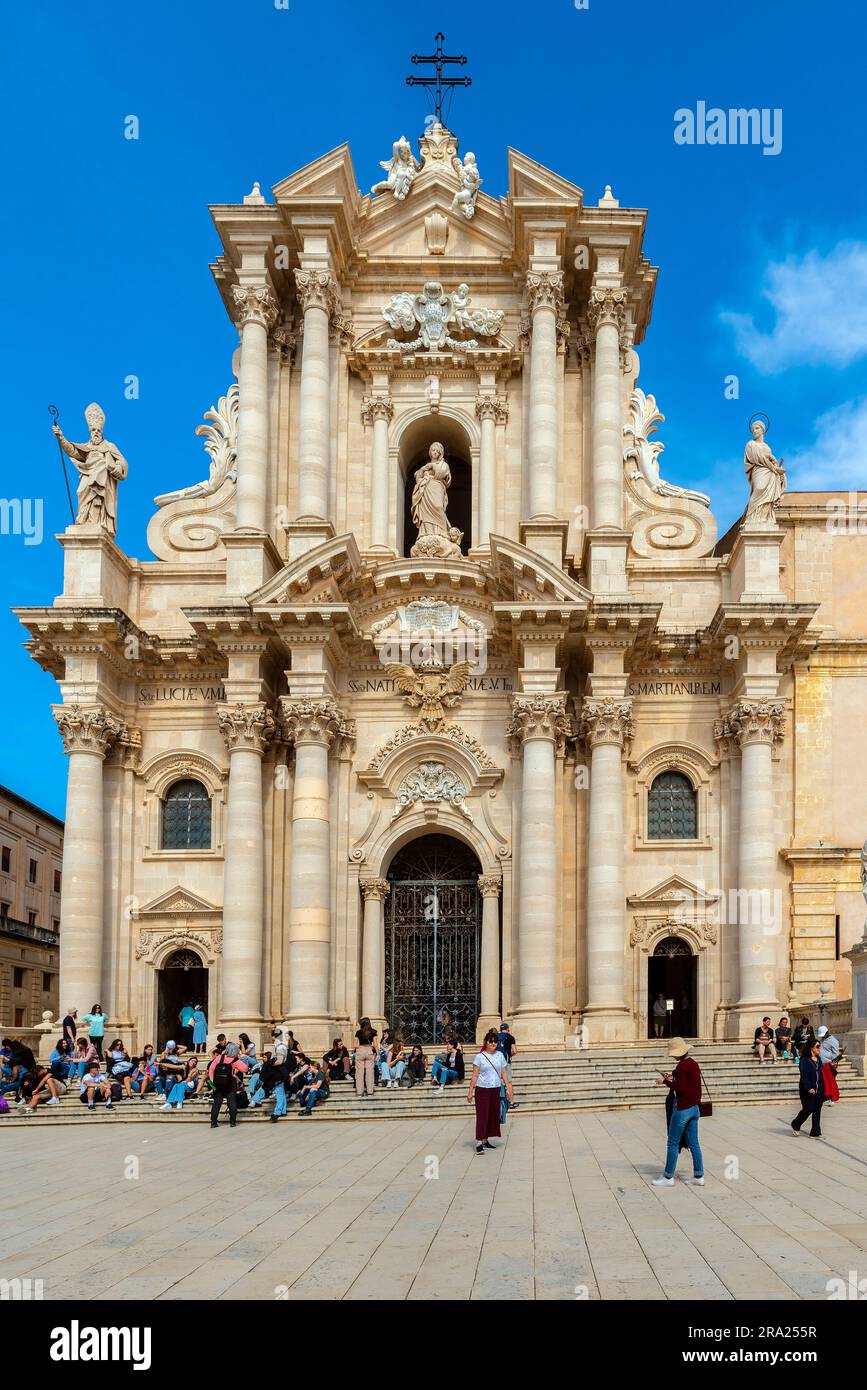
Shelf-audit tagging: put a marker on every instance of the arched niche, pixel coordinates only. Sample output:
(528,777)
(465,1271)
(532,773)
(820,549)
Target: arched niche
(412,452)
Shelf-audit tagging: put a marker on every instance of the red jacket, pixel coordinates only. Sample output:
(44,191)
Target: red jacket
(687,1083)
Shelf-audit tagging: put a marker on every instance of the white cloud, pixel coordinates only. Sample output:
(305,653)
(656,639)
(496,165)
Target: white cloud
(821,312)
(837,458)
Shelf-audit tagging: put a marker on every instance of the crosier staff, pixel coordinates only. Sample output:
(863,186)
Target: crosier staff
(55,414)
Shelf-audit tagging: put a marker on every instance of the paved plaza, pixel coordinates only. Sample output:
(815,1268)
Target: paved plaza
(405,1209)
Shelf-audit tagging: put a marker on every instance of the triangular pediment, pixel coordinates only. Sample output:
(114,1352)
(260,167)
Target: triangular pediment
(330,176)
(177,900)
(396,231)
(673,893)
(529,179)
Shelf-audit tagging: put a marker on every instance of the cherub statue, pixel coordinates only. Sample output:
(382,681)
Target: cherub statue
(767,479)
(401,170)
(431,692)
(101,466)
(436,537)
(468,172)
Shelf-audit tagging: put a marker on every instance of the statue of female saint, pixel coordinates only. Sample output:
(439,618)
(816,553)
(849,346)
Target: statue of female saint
(429,501)
(767,479)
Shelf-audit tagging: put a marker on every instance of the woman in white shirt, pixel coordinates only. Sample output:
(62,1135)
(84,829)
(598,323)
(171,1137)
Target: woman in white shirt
(489,1074)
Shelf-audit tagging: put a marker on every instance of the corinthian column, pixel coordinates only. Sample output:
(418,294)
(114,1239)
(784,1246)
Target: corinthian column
(257,313)
(490,886)
(318,296)
(377,411)
(247,729)
(311,725)
(757,725)
(606,726)
(545,300)
(491,411)
(538,723)
(87,733)
(606,316)
(374,891)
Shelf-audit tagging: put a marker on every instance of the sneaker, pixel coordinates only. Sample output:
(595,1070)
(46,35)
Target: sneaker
(28,1111)
(488,1145)
(54,1101)
(164,1107)
(694,1182)
(796,1132)
(663,1182)
(22,1104)
(440,1090)
(480,1148)
(109,1105)
(90,1105)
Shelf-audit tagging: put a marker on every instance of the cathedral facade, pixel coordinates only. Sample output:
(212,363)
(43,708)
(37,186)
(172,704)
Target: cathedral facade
(438,703)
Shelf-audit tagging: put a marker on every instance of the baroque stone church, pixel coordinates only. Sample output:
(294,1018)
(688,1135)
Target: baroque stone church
(437,703)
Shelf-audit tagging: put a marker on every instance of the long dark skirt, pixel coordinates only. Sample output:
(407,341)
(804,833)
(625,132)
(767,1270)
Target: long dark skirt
(487,1100)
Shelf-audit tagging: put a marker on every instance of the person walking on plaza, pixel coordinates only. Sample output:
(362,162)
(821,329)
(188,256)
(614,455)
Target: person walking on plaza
(488,1075)
(829,1056)
(686,1083)
(812,1090)
(365,1056)
(96,1020)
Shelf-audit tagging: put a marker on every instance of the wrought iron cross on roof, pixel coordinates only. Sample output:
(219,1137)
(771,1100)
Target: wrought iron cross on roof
(438,83)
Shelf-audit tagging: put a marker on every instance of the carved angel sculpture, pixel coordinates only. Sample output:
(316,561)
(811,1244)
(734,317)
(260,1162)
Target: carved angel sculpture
(431,692)
(401,170)
(434,312)
(468,172)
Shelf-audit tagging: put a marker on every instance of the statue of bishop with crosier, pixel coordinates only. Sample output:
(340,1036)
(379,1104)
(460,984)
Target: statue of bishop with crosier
(101,466)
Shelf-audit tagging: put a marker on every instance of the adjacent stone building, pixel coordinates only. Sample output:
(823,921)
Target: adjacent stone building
(440,734)
(31,871)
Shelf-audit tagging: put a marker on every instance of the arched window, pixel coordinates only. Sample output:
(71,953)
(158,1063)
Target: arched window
(671,808)
(186,816)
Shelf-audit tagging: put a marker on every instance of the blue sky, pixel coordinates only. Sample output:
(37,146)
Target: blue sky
(107,241)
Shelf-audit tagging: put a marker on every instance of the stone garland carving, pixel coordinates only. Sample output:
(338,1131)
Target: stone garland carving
(490,885)
(607,721)
(753,721)
(433,312)
(431,782)
(246,726)
(453,732)
(311,721)
(101,466)
(538,716)
(150,941)
(647,927)
(86,729)
(431,692)
(255,304)
(376,888)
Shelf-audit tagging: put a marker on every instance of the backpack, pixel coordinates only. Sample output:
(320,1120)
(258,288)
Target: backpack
(223,1077)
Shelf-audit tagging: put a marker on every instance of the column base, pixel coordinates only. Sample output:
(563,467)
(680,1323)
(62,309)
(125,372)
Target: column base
(314,1033)
(606,1023)
(305,534)
(546,536)
(744,1019)
(533,1027)
(252,559)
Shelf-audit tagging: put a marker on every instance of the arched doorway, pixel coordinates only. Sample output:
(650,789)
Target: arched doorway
(672,971)
(432,939)
(182,979)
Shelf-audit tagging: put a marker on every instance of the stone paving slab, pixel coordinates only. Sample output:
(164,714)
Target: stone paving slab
(564,1209)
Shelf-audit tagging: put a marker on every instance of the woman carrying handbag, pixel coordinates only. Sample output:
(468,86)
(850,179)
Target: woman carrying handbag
(686,1083)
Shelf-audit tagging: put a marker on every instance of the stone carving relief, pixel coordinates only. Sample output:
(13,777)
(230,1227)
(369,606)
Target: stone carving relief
(430,315)
(453,732)
(430,691)
(85,729)
(661,516)
(400,171)
(193,519)
(101,466)
(431,782)
(152,942)
(467,171)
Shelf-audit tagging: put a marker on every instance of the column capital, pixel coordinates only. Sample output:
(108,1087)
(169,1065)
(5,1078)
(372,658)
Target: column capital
(255,304)
(86,728)
(285,341)
(376,407)
(126,751)
(607,307)
(246,726)
(311,721)
(545,290)
(376,888)
(490,406)
(607,721)
(317,289)
(490,885)
(754,721)
(538,717)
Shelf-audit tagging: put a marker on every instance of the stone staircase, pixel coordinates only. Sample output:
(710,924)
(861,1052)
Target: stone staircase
(546,1080)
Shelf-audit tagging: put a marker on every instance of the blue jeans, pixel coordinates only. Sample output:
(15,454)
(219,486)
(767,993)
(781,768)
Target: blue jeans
(279,1099)
(684,1122)
(313,1097)
(442,1074)
(256,1091)
(393,1072)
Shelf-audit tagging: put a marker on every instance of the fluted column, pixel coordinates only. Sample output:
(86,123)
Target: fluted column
(317,294)
(374,892)
(257,313)
(606,727)
(247,729)
(545,299)
(757,725)
(311,725)
(377,410)
(490,411)
(87,732)
(538,723)
(490,887)
(606,316)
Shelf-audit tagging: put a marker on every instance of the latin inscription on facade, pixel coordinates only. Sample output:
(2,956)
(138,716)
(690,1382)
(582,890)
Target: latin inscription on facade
(384,685)
(675,687)
(181,694)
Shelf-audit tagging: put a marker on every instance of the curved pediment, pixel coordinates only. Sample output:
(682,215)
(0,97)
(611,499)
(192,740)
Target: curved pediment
(524,575)
(320,573)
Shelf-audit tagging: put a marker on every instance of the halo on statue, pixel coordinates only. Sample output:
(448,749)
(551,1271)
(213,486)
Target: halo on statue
(760,415)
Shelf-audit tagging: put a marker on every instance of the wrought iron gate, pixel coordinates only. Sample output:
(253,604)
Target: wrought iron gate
(433,926)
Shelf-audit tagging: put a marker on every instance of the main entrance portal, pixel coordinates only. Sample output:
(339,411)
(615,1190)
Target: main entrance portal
(671,973)
(433,924)
(182,980)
